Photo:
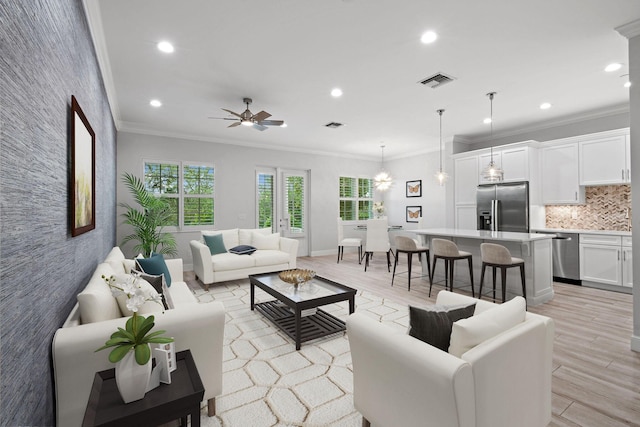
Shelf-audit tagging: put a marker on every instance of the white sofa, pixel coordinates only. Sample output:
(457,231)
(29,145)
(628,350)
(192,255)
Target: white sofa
(274,253)
(197,327)
(504,381)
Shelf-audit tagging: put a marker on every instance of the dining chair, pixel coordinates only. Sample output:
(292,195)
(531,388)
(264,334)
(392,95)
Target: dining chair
(377,240)
(351,242)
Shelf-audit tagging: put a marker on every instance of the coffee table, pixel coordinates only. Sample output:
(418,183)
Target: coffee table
(295,310)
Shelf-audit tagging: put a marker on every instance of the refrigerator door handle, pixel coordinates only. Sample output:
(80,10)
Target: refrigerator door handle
(494,215)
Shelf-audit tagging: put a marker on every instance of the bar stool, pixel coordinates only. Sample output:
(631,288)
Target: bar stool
(448,251)
(408,246)
(497,256)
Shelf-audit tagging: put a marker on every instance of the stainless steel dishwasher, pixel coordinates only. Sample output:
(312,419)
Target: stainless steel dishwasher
(566,257)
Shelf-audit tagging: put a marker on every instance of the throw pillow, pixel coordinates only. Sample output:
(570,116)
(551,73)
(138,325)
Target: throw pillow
(434,326)
(154,265)
(271,241)
(215,243)
(158,283)
(242,250)
(468,333)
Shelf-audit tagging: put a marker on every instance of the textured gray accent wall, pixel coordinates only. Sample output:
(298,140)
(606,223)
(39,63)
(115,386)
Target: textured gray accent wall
(46,55)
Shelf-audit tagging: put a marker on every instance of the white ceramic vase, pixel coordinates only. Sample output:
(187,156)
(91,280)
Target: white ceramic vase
(132,379)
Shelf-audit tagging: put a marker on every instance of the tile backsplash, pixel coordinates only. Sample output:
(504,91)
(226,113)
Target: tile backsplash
(607,207)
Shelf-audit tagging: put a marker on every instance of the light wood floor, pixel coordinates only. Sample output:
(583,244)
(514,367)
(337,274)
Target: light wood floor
(596,377)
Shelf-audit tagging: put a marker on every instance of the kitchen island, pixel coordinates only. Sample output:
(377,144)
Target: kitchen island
(533,248)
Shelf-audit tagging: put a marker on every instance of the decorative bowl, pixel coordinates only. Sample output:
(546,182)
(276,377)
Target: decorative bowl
(296,276)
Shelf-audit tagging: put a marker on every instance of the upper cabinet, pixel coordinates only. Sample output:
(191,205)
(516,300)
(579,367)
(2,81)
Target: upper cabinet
(515,163)
(560,175)
(605,161)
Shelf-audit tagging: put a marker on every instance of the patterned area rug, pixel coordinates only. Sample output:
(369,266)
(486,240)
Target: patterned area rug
(266,382)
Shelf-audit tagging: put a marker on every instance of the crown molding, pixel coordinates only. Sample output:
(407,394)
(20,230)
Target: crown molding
(94,19)
(630,30)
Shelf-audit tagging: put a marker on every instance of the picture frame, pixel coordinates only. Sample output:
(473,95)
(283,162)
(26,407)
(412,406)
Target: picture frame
(83,172)
(414,188)
(414,213)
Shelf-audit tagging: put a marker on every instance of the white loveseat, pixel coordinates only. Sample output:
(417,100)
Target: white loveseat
(504,381)
(197,327)
(274,253)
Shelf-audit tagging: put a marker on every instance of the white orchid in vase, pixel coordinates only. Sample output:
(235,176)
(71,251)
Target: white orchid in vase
(136,334)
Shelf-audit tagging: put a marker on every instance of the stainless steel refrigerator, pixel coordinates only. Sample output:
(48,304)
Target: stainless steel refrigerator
(503,207)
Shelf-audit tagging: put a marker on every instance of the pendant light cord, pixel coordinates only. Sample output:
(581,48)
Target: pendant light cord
(491,95)
(440,113)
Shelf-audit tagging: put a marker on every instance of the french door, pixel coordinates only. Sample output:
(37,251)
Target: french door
(282,200)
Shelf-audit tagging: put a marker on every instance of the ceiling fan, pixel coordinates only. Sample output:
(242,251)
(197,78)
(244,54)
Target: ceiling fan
(247,118)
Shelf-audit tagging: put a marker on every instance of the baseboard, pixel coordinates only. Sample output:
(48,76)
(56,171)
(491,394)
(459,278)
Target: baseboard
(187,267)
(635,343)
(325,252)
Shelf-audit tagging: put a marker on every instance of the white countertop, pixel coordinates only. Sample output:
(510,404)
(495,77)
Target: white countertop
(580,231)
(505,236)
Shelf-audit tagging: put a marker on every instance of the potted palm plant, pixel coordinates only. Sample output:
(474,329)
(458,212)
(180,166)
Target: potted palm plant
(149,221)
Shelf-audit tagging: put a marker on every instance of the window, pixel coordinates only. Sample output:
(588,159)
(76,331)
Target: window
(294,202)
(356,198)
(188,187)
(266,200)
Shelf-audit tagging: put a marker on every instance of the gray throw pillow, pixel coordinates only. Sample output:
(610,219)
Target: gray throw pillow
(215,243)
(242,250)
(434,326)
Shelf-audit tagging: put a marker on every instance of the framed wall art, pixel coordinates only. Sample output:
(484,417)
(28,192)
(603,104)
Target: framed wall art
(414,188)
(83,172)
(414,213)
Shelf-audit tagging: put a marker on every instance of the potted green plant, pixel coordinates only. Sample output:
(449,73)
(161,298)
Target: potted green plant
(131,350)
(149,221)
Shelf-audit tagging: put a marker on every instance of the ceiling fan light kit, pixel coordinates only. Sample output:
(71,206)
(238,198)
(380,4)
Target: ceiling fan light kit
(247,118)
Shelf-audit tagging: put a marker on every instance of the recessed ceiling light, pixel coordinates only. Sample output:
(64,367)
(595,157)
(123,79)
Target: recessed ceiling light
(428,37)
(545,106)
(627,84)
(284,125)
(336,92)
(165,47)
(487,120)
(155,103)
(613,67)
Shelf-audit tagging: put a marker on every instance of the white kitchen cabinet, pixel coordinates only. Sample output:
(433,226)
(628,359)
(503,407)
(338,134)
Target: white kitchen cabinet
(560,175)
(515,163)
(466,217)
(483,162)
(465,180)
(606,260)
(604,161)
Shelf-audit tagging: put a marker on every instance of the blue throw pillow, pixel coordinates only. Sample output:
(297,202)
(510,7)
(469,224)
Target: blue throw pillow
(155,265)
(215,243)
(242,250)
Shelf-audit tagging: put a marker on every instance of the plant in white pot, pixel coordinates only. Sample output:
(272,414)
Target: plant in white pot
(131,350)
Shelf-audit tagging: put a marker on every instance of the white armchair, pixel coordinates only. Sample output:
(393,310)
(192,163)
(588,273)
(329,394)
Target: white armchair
(504,381)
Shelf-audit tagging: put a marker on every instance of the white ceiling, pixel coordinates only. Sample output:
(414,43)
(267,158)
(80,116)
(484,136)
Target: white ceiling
(288,54)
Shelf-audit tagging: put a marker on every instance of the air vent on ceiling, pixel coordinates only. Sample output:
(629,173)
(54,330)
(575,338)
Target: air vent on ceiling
(333,125)
(437,80)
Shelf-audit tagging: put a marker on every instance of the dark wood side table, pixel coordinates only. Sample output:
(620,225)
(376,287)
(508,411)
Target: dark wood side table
(163,404)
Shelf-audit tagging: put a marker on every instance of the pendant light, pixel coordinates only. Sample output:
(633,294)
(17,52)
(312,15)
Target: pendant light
(382,180)
(441,175)
(492,173)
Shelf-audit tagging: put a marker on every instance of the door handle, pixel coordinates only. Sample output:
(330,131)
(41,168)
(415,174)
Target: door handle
(618,255)
(623,174)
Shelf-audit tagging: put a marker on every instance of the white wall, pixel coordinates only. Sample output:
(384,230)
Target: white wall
(235,182)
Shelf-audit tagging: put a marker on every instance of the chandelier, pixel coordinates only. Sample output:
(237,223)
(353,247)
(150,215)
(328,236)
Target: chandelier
(382,181)
(492,172)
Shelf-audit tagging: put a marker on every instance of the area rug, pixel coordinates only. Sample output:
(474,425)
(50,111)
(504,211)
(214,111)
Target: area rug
(266,382)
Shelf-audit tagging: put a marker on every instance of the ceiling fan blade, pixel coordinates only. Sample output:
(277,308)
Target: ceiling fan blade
(272,122)
(260,116)
(231,112)
(259,127)
(222,118)
(232,125)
